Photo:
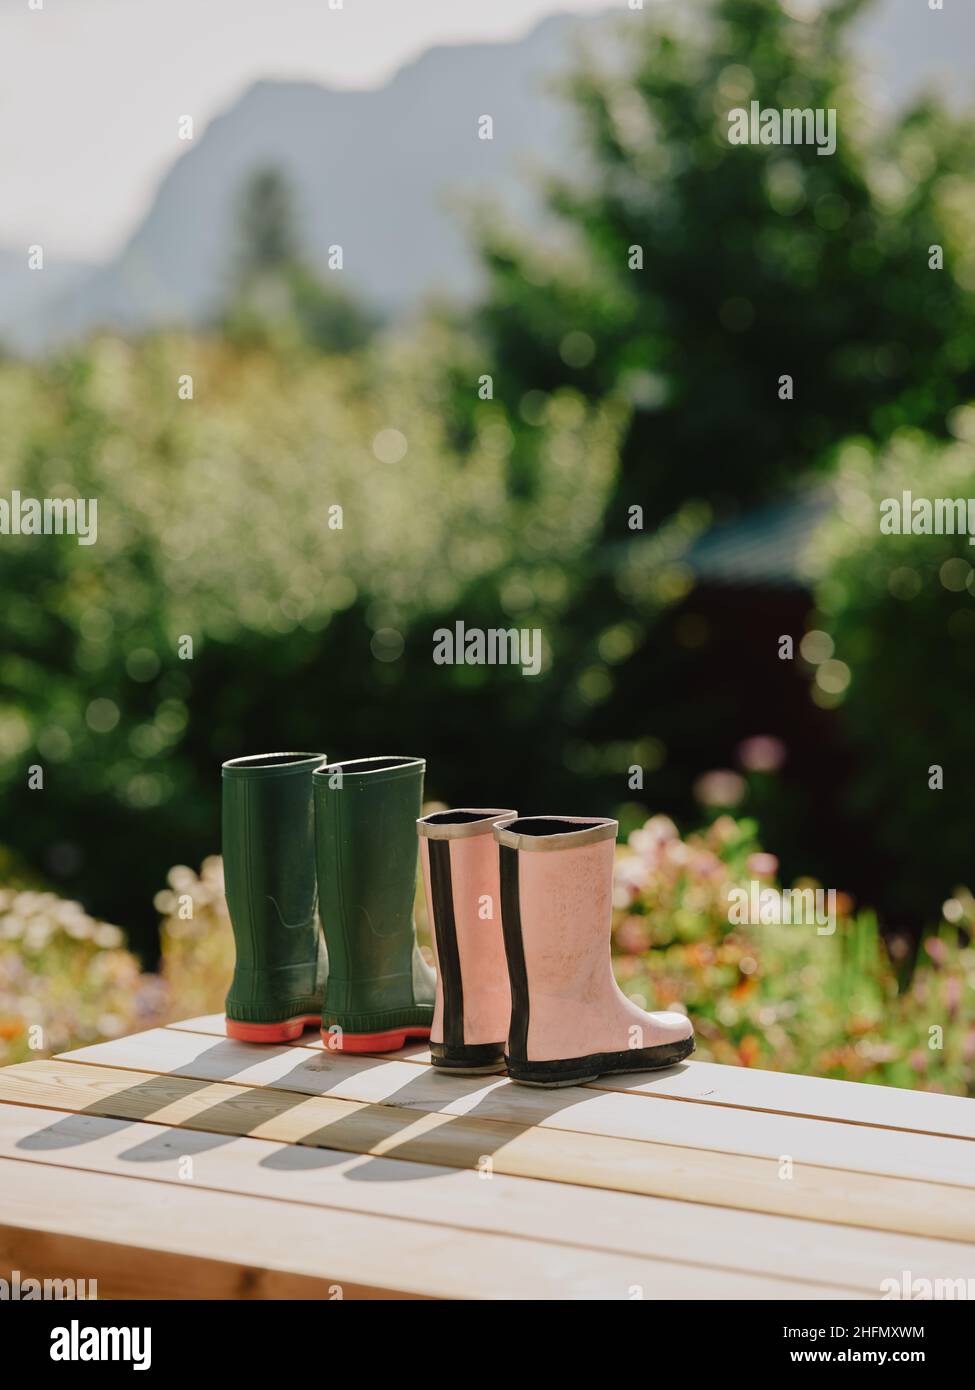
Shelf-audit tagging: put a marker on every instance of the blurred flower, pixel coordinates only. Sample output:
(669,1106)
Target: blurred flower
(720,788)
(844,904)
(723,830)
(631,936)
(763,753)
(936,949)
(781,996)
(658,830)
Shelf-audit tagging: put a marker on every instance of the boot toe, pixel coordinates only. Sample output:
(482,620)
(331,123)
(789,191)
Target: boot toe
(670,1027)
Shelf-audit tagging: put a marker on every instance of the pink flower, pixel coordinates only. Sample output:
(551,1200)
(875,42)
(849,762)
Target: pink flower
(630,879)
(936,949)
(763,865)
(722,787)
(650,839)
(763,753)
(706,865)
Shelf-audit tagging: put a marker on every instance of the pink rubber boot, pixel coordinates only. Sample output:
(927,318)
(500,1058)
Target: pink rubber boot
(570,1021)
(472,1008)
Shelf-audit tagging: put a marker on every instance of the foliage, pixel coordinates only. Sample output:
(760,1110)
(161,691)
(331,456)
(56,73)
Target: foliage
(783,997)
(611,388)
(898,612)
(756,261)
(70,979)
(66,979)
(267,223)
(196,939)
(214,525)
(278,301)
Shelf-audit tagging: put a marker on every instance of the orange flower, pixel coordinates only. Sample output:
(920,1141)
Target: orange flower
(700,954)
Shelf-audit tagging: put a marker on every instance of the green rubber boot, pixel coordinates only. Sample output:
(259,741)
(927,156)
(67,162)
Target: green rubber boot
(272,896)
(380,990)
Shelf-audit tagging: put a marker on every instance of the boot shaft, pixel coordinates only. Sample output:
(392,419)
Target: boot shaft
(459,860)
(570,1021)
(556,905)
(366,855)
(270,885)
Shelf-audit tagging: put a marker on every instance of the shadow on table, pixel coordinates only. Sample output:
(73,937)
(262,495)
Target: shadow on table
(410,1123)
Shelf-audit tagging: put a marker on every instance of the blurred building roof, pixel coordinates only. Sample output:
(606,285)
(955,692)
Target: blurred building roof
(767,547)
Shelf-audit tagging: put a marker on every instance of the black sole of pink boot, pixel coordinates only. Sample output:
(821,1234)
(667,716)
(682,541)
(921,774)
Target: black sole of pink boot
(576,1071)
(469,1059)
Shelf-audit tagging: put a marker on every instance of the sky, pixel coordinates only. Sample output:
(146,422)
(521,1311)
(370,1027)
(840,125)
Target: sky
(91,90)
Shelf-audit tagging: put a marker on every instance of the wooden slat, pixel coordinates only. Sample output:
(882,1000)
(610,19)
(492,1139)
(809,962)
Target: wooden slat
(462,1141)
(711,1239)
(137,1223)
(769,1136)
(710,1083)
(135,1268)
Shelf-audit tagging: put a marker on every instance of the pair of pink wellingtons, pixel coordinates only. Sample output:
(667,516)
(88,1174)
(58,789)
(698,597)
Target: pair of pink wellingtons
(520,911)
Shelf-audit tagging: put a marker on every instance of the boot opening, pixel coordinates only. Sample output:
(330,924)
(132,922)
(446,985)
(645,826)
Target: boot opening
(551,825)
(257,760)
(463,822)
(358,765)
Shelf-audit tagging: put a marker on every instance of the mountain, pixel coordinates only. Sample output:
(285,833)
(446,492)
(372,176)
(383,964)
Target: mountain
(386,174)
(383,173)
(26,294)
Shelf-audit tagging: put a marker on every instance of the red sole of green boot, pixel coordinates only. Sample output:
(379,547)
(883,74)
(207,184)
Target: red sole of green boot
(390,1041)
(287,1031)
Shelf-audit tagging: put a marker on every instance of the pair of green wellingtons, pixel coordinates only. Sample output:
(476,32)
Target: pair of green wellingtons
(307,846)
(320,863)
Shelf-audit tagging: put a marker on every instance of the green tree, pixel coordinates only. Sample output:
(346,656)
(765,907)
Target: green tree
(702,272)
(900,610)
(277,299)
(691,277)
(268,223)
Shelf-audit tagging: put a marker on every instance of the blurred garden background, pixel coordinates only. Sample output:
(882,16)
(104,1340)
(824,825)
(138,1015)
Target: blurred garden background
(597,444)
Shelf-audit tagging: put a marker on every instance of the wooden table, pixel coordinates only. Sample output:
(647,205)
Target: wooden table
(177,1164)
